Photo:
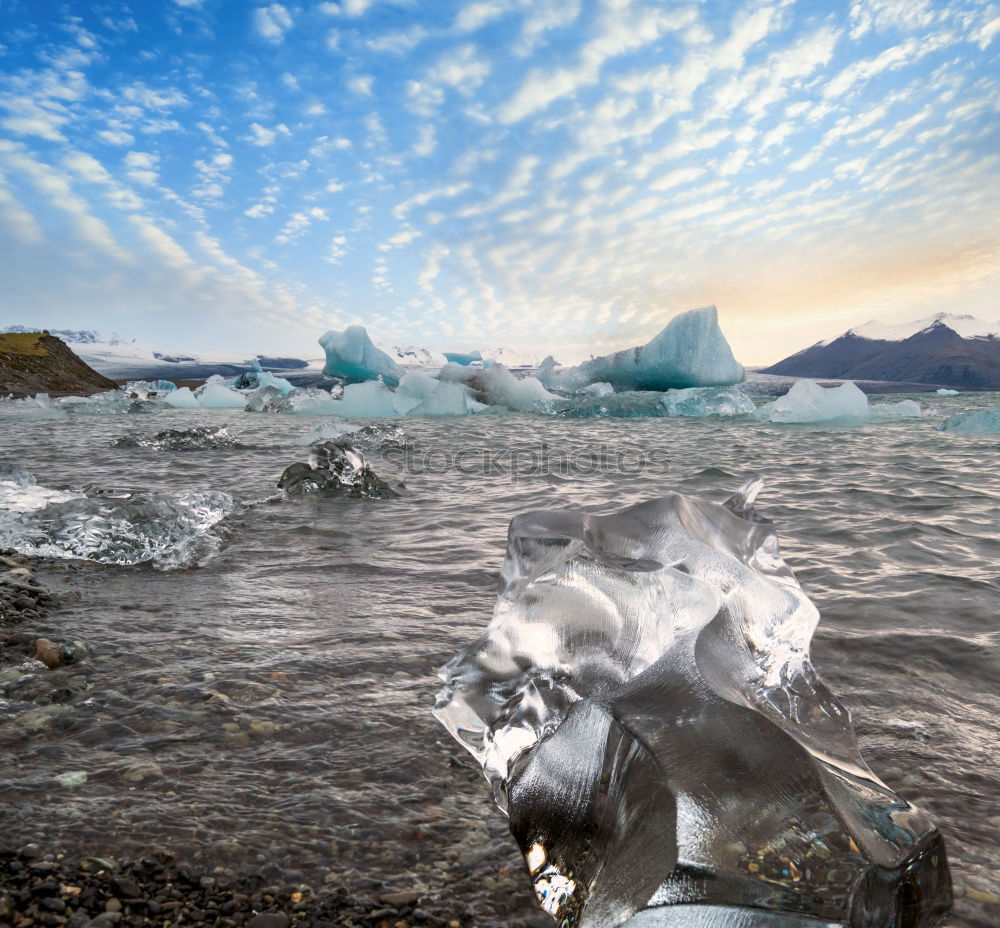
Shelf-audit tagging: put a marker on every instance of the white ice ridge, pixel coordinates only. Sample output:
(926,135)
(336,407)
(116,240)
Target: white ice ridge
(807,401)
(644,705)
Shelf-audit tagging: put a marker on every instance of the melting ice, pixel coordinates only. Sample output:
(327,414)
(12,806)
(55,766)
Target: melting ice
(644,705)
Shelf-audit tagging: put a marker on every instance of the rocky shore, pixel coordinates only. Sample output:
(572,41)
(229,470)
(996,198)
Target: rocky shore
(37,362)
(48,890)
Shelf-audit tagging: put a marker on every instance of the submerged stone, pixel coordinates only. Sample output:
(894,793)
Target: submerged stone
(644,705)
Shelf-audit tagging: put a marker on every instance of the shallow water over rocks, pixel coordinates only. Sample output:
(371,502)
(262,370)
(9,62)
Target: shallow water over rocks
(269,710)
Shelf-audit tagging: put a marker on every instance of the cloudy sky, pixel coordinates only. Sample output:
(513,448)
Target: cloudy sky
(556,175)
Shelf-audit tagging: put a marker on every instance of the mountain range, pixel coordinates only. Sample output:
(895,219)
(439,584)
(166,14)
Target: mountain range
(944,350)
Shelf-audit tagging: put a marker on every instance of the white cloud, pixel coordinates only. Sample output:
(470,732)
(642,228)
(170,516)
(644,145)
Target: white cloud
(677,178)
(477,14)
(17,219)
(298,223)
(262,136)
(141,167)
(361,85)
(347,7)
(425,143)
(272,22)
(401,210)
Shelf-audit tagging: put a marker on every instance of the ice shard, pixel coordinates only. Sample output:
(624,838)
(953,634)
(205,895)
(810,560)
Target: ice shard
(352,355)
(644,706)
(336,468)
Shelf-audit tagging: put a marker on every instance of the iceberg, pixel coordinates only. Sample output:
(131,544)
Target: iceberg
(497,386)
(644,706)
(353,357)
(337,468)
(462,357)
(807,401)
(216,393)
(976,421)
(690,352)
(182,398)
(944,391)
(598,389)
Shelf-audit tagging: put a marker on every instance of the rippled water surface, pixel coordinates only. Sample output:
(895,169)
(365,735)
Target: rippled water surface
(270,708)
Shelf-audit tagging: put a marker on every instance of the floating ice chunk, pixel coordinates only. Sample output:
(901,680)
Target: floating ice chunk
(167,530)
(143,389)
(352,356)
(644,705)
(371,400)
(34,407)
(807,401)
(690,352)
(497,386)
(598,389)
(708,401)
(983,421)
(196,438)
(462,357)
(182,398)
(109,403)
(215,393)
(906,409)
(326,431)
(334,467)
(944,391)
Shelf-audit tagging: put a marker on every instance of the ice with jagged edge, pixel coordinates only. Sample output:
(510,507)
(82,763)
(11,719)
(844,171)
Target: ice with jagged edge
(644,705)
(807,402)
(690,352)
(196,438)
(334,467)
(352,356)
(167,530)
(976,421)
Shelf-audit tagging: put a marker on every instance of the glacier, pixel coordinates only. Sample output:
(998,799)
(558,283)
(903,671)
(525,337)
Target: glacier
(352,356)
(976,421)
(645,709)
(690,352)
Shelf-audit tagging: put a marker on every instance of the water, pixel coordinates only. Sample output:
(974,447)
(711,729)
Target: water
(270,709)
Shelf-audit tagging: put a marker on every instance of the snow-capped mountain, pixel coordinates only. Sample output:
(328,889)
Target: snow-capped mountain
(511,357)
(942,350)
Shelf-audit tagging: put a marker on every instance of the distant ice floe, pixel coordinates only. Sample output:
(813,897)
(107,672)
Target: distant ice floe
(944,391)
(807,402)
(166,530)
(977,421)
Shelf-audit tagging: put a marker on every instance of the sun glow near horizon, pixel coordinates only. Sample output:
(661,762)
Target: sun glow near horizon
(561,177)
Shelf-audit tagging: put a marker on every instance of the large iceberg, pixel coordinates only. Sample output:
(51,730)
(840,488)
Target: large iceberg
(982,421)
(352,356)
(644,706)
(690,352)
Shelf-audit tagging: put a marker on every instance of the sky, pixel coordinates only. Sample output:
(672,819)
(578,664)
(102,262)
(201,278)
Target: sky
(557,176)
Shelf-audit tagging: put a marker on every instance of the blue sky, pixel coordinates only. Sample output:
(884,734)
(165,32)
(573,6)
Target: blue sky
(556,175)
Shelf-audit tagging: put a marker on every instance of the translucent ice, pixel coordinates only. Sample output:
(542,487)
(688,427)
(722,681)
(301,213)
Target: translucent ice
(334,467)
(644,705)
(598,389)
(976,421)
(807,401)
(690,352)
(372,400)
(708,401)
(166,529)
(182,398)
(944,391)
(215,393)
(352,356)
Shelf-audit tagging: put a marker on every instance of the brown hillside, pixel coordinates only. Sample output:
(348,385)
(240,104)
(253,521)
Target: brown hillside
(36,362)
